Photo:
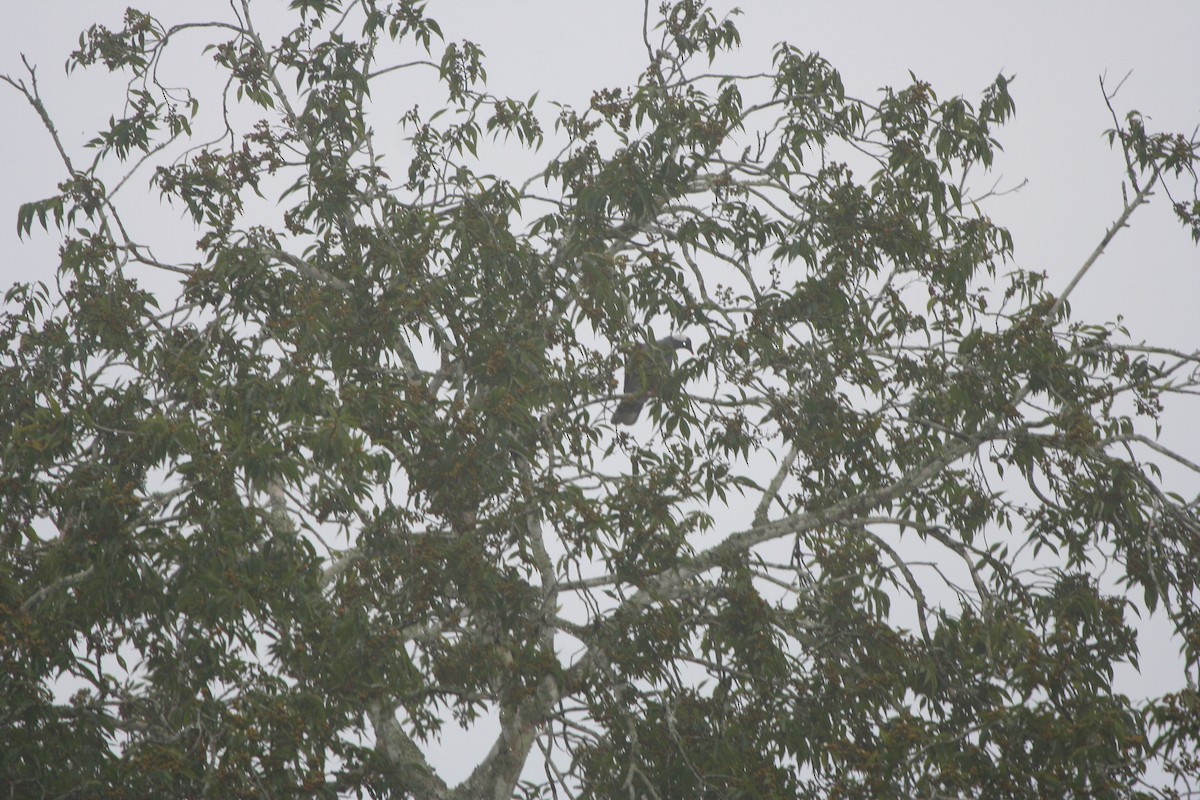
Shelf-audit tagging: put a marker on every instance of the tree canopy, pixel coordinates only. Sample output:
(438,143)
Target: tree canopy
(276,515)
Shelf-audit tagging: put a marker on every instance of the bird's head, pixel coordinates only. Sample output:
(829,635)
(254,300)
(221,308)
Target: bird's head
(681,342)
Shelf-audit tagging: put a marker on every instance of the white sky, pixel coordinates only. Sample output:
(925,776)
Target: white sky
(565,49)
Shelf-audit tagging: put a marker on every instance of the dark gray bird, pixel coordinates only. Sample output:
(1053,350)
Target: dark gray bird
(646,369)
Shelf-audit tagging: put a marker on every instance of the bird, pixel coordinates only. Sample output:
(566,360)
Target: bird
(646,368)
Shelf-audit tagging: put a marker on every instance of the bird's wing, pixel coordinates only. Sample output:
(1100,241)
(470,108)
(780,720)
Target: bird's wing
(635,371)
(630,407)
(647,367)
(657,364)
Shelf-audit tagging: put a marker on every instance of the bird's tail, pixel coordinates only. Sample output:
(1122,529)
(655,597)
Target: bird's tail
(627,412)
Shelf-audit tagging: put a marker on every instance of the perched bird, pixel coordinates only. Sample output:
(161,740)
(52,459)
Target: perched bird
(646,369)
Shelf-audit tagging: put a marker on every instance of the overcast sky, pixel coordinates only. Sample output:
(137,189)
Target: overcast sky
(564,49)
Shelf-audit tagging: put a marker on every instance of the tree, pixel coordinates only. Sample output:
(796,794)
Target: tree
(351,477)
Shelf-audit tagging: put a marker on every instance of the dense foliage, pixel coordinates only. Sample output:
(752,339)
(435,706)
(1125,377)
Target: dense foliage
(350,477)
